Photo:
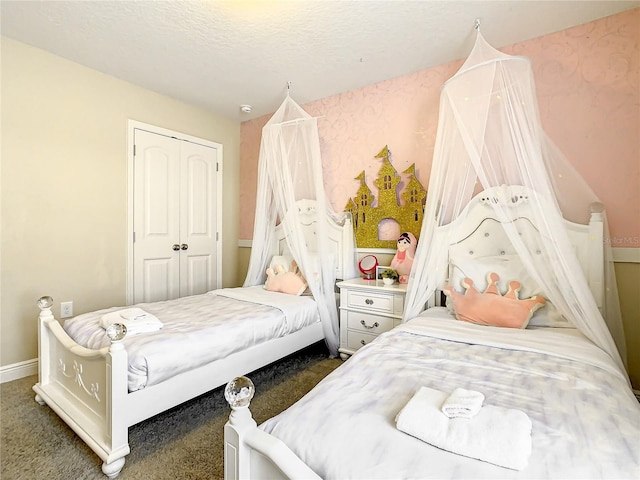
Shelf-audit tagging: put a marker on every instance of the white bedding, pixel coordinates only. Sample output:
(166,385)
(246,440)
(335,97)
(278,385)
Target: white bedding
(586,421)
(199,329)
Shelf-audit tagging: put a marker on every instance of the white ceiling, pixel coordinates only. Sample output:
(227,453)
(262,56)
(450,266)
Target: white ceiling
(222,54)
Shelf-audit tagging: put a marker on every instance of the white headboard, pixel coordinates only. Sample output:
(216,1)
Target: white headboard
(340,238)
(478,233)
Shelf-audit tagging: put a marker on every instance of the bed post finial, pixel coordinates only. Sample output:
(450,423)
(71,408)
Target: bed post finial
(116,333)
(44,304)
(239,392)
(597,208)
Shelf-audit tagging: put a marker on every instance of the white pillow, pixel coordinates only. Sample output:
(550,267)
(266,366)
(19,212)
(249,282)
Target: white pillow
(508,268)
(283,261)
(315,267)
(549,316)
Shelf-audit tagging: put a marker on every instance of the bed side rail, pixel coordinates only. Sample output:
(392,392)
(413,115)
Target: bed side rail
(250,453)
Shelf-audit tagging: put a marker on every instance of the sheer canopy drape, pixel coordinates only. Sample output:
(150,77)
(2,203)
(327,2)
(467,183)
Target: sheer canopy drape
(290,170)
(489,135)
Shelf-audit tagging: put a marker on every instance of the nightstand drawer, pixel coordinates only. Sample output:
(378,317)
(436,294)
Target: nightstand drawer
(368,323)
(355,340)
(370,301)
(367,309)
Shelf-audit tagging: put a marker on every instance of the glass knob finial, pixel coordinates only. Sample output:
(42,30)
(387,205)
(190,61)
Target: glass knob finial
(116,332)
(239,392)
(45,302)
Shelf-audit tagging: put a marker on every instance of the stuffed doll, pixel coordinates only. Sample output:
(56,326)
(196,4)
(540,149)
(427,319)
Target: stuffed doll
(403,259)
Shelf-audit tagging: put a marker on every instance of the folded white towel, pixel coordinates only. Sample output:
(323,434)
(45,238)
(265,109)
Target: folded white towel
(135,319)
(496,435)
(462,403)
(133,313)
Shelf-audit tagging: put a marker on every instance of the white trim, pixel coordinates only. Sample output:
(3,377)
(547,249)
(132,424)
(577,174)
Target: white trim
(626,255)
(391,251)
(620,255)
(379,251)
(18,370)
(132,125)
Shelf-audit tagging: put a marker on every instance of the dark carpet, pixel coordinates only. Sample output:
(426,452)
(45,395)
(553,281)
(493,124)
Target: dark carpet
(183,443)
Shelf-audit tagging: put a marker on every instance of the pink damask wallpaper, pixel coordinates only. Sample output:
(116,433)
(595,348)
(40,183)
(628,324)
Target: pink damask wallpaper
(588,86)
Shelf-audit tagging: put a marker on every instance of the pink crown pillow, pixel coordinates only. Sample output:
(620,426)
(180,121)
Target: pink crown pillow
(492,308)
(291,282)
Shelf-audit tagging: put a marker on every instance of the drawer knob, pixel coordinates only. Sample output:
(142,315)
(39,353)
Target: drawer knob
(375,325)
(368,301)
(363,342)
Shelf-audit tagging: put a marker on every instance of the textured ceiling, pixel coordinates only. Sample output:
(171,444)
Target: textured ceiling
(222,54)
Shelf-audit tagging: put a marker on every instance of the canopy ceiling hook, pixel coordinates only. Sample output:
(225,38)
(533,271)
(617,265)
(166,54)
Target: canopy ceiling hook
(288,88)
(476,24)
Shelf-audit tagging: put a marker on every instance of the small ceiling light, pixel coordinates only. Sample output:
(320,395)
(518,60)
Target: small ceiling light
(246,108)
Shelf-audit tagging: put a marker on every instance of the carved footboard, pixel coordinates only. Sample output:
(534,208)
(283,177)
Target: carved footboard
(250,453)
(86,388)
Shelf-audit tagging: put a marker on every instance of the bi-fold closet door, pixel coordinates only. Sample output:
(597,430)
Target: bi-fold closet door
(175,239)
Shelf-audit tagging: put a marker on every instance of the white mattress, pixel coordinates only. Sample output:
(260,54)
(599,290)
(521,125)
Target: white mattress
(199,329)
(586,421)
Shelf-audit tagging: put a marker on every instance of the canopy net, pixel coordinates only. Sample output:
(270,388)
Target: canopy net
(490,136)
(290,170)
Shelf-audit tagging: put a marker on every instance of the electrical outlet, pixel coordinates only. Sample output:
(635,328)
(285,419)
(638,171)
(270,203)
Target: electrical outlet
(66,309)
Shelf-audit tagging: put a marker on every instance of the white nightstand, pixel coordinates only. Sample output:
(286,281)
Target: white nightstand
(367,309)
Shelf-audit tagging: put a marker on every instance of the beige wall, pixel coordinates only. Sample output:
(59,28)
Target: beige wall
(64,186)
(628,276)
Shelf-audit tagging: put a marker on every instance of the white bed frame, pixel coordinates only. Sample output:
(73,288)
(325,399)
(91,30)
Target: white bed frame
(250,453)
(88,388)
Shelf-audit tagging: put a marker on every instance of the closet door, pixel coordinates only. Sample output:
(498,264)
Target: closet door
(156,218)
(197,219)
(174,217)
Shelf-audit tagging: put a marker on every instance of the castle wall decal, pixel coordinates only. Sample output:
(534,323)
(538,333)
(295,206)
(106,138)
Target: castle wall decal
(369,215)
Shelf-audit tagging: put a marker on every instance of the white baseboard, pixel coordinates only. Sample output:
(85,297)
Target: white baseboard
(18,370)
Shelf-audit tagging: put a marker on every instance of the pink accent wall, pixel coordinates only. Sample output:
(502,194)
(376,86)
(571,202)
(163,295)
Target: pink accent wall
(588,86)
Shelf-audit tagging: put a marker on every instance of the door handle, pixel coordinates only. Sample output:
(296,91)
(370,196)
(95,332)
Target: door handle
(176,247)
(184,246)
